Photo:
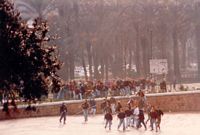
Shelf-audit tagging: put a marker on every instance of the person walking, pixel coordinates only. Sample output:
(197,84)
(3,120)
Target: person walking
(148,110)
(128,114)
(141,119)
(136,115)
(93,106)
(121,115)
(118,107)
(103,106)
(85,107)
(130,103)
(159,114)
(153,115)
(113,104)
(108,117)
(63,113)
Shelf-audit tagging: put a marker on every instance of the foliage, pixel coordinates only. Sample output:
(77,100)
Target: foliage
(28,64)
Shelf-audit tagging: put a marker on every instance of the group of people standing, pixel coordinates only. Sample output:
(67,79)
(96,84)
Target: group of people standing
(130,114)
(94,89)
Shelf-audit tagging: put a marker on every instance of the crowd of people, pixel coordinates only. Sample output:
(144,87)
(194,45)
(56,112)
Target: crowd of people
(93,89)
(130,114)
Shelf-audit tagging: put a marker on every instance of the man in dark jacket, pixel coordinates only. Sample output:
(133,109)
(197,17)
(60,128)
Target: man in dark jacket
(159,114)
(121,115)
(141,119)
(63,113)
(128,113)
(108,117)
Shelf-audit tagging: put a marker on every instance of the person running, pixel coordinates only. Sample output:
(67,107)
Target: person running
(121,115)
(128,113)
(63,113)
(85,107)
(159,114)
(108,117)
(141,119)
(153,115)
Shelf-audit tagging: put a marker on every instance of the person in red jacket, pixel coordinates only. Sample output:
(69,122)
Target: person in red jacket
(154,116)
(108,117)
(85,107)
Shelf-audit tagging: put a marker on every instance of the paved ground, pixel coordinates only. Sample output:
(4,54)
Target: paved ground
(172,124)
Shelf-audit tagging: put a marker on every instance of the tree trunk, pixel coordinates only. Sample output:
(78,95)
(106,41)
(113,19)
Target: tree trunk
(102,69)
(145,51)
(137,51)
(163,48)
(117,65)
(176,56)
(183,58)
(67,67)
(84,66)
(130,61)
(71,65)
(106,68)
(95,61)
(89,52)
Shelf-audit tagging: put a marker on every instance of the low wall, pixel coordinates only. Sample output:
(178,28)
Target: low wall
(168,102)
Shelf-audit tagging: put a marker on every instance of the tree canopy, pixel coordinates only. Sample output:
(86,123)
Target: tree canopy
(28,63)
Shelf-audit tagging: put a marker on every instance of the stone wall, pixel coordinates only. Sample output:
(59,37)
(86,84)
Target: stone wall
(168,102)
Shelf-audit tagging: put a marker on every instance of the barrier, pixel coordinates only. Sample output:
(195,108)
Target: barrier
(168,102)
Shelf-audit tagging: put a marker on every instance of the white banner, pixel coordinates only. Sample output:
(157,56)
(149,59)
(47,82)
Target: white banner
(158,66)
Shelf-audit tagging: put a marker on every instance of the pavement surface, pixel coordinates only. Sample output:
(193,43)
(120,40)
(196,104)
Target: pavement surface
(172,124)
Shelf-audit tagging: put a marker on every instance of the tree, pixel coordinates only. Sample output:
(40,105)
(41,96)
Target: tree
(28,64)
(106,36)
(32,9)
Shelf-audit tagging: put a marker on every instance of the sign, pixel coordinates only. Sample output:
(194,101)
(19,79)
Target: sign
(158,66)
